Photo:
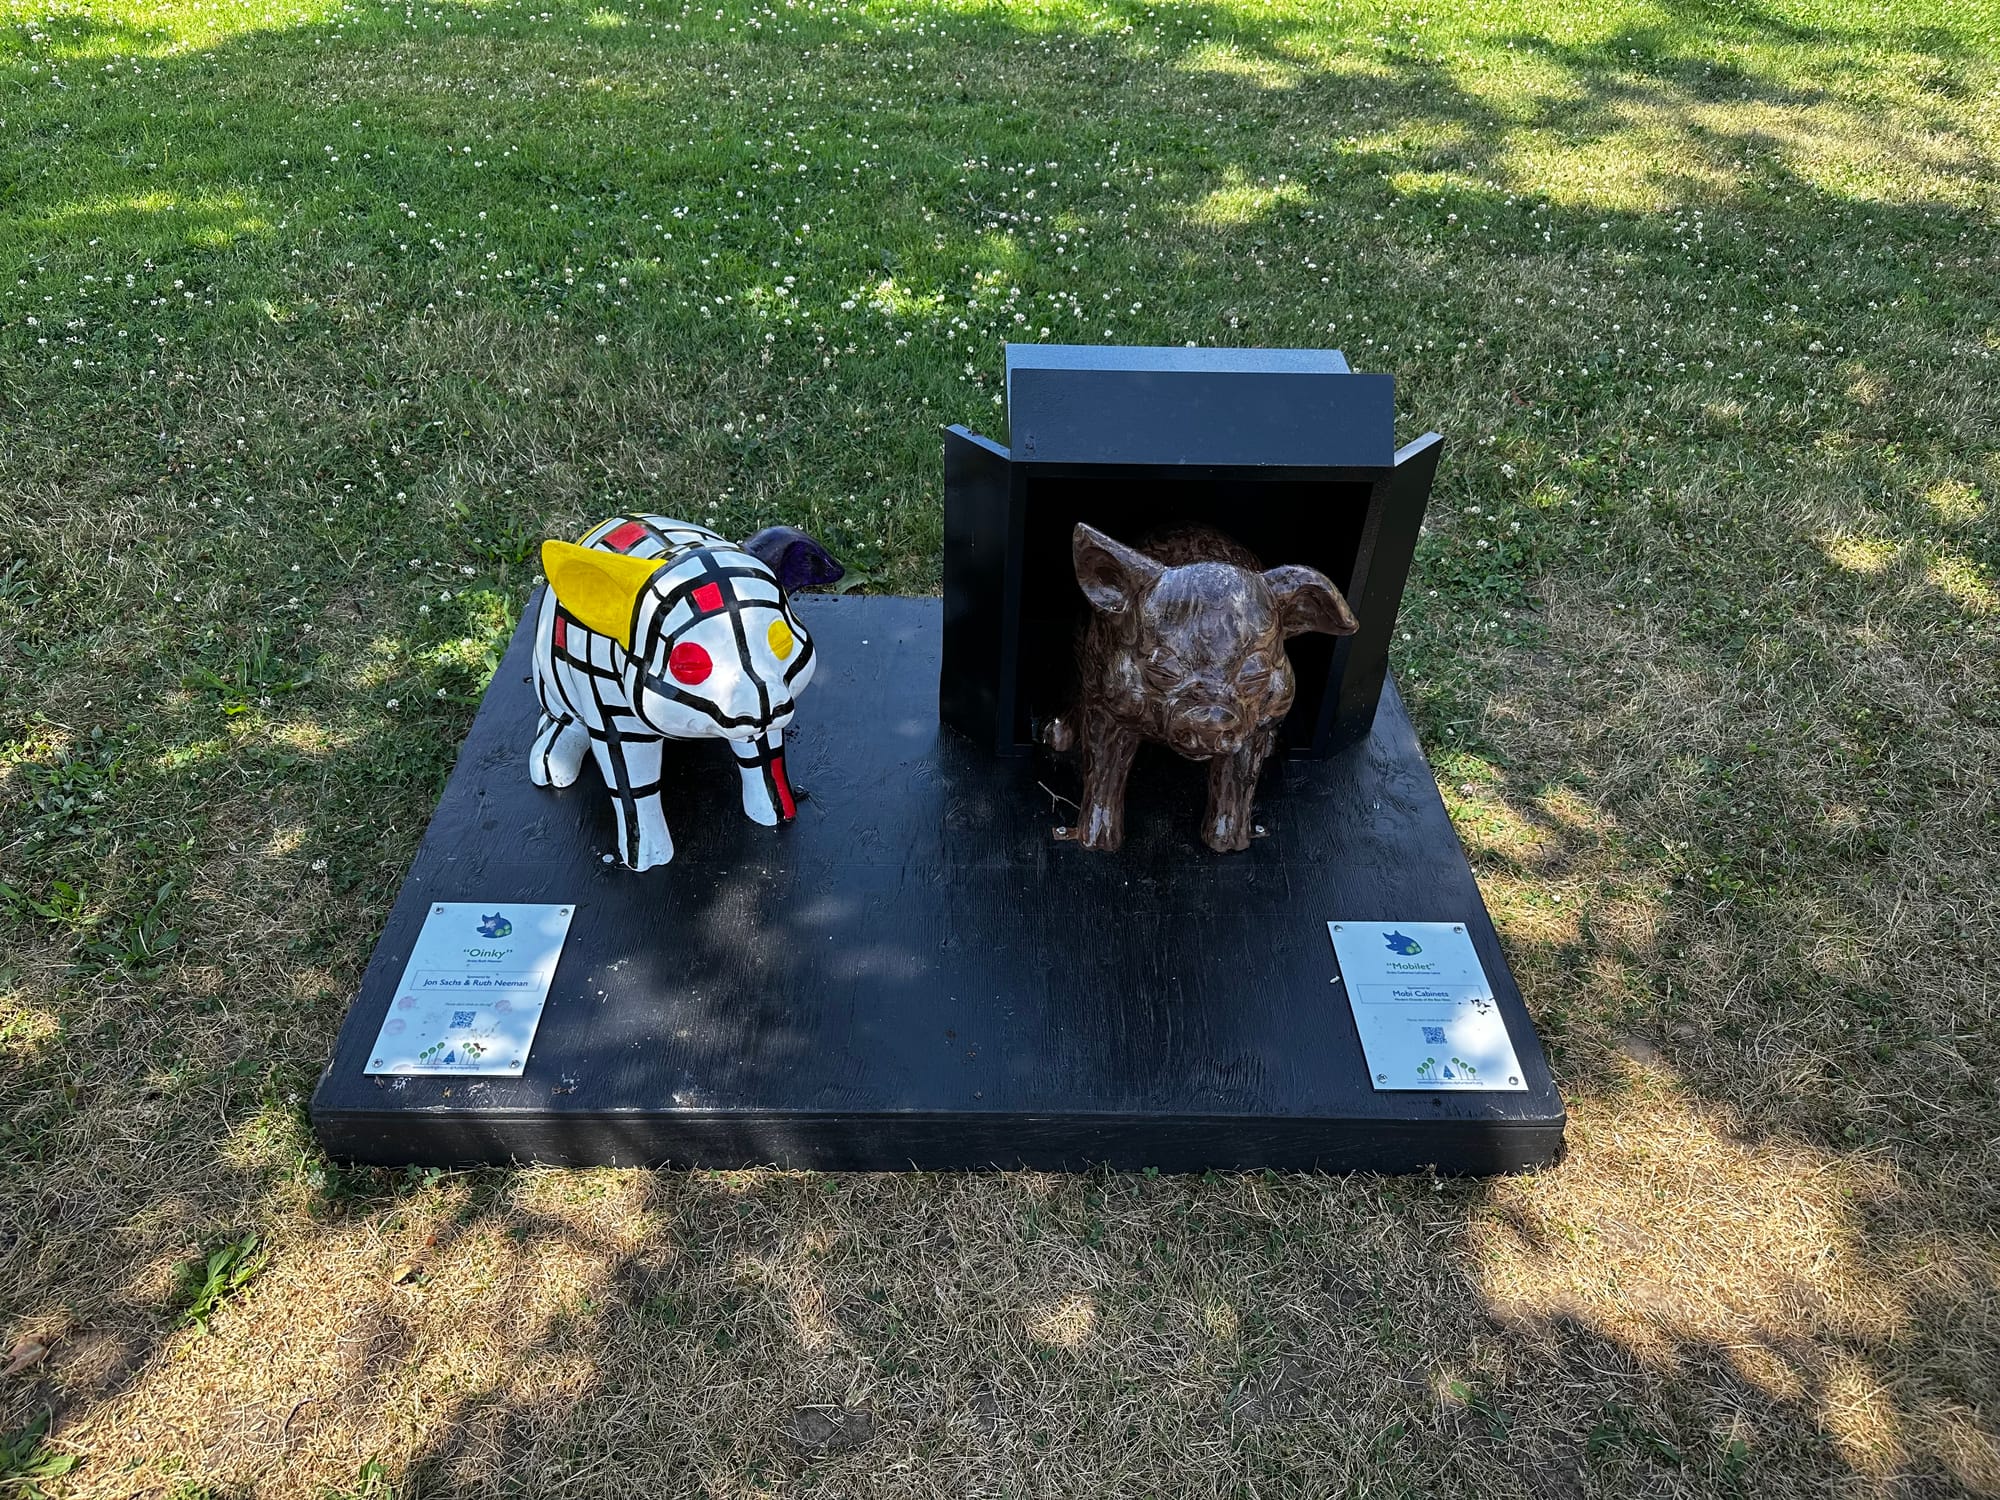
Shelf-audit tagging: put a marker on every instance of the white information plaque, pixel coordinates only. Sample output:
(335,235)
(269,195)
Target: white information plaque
(473,990)
(1426,1014)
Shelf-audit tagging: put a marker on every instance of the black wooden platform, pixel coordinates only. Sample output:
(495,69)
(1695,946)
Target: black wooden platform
(915,974)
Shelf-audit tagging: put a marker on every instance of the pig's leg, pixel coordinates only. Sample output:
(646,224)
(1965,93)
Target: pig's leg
(1108,749)
(767,793)
(556,757)
(1232,785)
(631,770)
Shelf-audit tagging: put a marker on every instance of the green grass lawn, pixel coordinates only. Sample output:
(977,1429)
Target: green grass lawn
(316,318)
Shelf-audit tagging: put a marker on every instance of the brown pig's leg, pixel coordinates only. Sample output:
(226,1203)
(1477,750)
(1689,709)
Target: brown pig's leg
(1108,748)
(1232,785)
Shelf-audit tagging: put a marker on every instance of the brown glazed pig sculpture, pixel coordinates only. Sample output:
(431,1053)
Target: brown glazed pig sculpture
(1185,645)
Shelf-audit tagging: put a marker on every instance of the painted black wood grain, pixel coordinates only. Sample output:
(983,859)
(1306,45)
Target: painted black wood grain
(915,973)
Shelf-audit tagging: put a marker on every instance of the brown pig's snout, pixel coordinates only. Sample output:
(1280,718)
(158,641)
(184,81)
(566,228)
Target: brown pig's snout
(1212,717)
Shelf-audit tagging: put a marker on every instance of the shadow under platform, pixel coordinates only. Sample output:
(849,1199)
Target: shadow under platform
(916,973)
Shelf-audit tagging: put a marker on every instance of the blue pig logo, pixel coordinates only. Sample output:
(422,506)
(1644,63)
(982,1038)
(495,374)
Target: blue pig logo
(1398,942)
(495,926)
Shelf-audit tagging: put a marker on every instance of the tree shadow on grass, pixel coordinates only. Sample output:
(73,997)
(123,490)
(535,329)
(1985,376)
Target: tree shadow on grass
(1624,1321)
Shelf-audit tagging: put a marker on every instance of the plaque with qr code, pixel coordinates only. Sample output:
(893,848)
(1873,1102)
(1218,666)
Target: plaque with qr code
(472,991)
(1423,1007)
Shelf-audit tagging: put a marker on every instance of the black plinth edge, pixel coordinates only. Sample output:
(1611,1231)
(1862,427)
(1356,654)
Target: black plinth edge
(917,975)
(946,1142)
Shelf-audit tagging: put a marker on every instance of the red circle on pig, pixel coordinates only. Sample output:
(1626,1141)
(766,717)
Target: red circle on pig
(689,663)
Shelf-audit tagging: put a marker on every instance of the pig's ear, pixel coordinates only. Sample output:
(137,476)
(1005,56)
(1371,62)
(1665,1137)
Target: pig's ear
(795,559)
(599,590)
(1307,600)
(1112,574)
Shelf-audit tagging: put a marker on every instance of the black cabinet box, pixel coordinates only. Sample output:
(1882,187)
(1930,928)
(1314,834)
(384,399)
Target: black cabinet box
(1287,450)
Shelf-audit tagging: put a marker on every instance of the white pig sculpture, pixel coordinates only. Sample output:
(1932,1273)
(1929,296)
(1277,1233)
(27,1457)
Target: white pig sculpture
(656,630)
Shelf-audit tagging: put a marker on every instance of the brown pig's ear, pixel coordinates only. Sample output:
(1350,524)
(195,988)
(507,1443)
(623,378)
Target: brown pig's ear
(1112,574)
(1307,600)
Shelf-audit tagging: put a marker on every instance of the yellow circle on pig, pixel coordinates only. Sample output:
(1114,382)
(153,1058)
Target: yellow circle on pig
(781,638)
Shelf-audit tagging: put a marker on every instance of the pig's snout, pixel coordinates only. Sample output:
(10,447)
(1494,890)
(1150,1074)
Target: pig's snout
(1206,728)
(780,717)
(1211,718)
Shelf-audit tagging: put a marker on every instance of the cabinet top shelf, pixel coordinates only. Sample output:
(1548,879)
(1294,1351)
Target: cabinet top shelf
(1221,408)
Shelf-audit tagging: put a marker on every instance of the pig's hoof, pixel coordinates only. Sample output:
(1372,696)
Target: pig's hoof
(1100,831)
(651,855)
(556,757)
(1227,836)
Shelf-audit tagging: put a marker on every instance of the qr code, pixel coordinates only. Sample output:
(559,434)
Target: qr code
(1433,1036)
(464,1018)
